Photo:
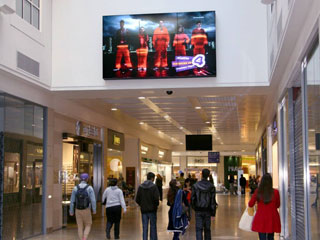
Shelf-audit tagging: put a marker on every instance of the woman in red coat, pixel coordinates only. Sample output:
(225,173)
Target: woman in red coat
(267,220)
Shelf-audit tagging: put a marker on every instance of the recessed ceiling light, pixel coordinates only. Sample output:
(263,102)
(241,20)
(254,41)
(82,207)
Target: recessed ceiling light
(208,122)
(243,150)
(181,143)
(159,131)
(141,123)
(198,107)
(141,98)
(114,109)
(166,116)
(181,128)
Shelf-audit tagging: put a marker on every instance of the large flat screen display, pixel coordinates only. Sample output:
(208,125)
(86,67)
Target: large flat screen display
(159,45)
(199,142)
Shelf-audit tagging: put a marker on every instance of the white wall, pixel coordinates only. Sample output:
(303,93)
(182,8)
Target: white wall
(17,34)
(77,42)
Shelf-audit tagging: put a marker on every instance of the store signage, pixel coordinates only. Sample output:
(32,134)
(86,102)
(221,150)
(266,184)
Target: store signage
(87,130)
(115,140)
(199,161)
(213,157)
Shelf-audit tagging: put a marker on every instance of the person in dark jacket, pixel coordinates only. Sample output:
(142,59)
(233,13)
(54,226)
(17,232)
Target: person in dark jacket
(148,200)
(243,183)
(177,199)
(203,201)
(159,185)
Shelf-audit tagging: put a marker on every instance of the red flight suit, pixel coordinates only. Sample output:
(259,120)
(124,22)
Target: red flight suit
(179,42)
(122,49)
(199,39)
(160,41)
(142,52)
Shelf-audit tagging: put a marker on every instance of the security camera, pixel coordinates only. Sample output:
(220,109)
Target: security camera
(169,92)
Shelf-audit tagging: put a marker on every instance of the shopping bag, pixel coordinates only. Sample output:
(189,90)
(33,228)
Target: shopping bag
(245,223)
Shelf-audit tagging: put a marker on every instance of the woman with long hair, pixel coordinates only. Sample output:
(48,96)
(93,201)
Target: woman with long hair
(114,200)
(178,202)
(267,220)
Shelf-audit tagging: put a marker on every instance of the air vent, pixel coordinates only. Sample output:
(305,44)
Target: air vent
(27,64)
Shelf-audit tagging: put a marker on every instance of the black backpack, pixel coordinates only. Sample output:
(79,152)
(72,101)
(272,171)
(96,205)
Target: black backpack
(82,198)
(203,199)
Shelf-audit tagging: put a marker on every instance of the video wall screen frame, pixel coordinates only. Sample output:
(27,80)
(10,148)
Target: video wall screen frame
(164,45)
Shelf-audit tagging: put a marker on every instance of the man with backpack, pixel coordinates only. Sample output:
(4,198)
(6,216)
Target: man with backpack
(83,199)
(203,201)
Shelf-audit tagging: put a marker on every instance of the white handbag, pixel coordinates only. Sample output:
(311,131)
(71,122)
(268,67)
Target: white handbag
(245,223)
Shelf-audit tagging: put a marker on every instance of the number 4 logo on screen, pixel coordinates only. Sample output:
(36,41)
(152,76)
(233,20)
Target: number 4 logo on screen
(199,60)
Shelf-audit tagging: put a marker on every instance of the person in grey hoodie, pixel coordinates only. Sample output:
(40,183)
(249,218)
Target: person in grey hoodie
(148,200)
(114,200)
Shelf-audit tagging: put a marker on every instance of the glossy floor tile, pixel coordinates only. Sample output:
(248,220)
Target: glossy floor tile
(224,227)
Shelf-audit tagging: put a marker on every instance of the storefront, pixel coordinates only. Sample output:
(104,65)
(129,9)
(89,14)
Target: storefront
(23,167)
(299,151)
(82,153)
(156,160)
(114,156)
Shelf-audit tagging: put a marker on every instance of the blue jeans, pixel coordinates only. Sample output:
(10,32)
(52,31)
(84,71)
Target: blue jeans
(152,217)
(176,236)
(266,236)
(203,224)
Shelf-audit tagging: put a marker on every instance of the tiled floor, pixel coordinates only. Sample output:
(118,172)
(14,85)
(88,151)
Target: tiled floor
(225,227)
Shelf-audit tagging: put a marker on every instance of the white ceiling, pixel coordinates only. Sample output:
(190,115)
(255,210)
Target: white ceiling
(233,119)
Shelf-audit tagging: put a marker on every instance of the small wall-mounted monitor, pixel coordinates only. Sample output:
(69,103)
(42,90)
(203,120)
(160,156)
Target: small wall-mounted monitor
(198,142)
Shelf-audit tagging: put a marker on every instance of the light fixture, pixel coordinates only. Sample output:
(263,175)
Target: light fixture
(267,1)
(141,123)
(181,128)
(159,131)
(166,116)
(208,122)
(181,143)
(197,107)
(141,98)
(114,109)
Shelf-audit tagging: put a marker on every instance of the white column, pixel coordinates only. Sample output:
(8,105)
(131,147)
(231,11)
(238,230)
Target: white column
(269,149)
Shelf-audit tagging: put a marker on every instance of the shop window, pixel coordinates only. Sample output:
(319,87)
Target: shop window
(29,10)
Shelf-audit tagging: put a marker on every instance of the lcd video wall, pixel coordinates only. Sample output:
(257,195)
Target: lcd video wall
(159,45)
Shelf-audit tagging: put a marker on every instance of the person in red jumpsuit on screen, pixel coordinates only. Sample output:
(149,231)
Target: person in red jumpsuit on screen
(142,51)
(160,42)
(180,41)
(199,40)
(122,47)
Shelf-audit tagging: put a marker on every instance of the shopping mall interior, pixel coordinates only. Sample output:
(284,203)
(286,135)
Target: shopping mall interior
(121,89)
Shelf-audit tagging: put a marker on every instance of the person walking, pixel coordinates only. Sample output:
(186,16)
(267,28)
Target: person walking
(148,200)
(267,220)
(243,183)
(233,189)
(159,185)
(82,201)
(181,179)
(187,190)
(177,200)
(203,201)
(113,197)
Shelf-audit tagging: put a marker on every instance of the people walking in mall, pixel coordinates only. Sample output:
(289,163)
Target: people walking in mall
(243,184)
(181,179)
(233,189)
(83,200)
(113,197)
(267,220)
(159,185)
(177,200)
(148,200)
(203,201)
(187,190)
